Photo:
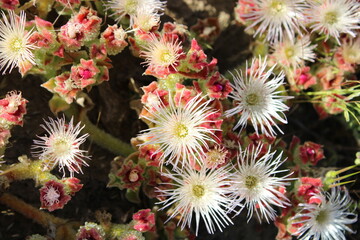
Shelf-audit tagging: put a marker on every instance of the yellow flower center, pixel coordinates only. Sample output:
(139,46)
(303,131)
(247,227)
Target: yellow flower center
(331,17)
(16,44)
(61,147)
(252,99)
(181,130)
(130,6)
(251,182)
(322,216)
(277,6)
(215,157)
(166,57)
(289,52)
(198,191)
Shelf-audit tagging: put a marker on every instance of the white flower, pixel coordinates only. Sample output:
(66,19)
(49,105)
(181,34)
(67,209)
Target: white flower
(350,50)
(327,220)
(162,54)
(277,18)
(203,193)
(15,49)
(257,98)
(255,185)
(62,146)
(146,20)
(131,8)
(180,130)
(293,53)
(332,17)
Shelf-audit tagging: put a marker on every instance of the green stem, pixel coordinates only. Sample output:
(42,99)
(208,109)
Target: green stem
(106,140)
(100,137)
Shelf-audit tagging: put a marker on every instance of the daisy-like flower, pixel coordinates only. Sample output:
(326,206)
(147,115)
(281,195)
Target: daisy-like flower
(255,185)
(203,193)
(277,18)
(121,8)
(332,17)
(162,55)
(293,53)
(257,98)
(146,20)
(15,47)
(180,130)
(62,146)
(327,220)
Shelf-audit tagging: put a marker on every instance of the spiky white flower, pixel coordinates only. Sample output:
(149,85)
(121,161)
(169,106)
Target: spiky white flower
(146,20)
(162,54)
(255,185)
(203,193)
(180,130)
(293,53)
(62,146)
(328,220)
(276,18)
(256,97)
(332,17)
(121,8)
(15,48)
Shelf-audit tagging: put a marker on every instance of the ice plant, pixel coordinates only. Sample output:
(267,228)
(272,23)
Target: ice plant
(122,8)
(276,18)
(53,196)
(162,55)
(180,130)
(202,193)
(62,146)
(327,220)
(15,47)
(257,97)
(333,17)
(293,53)
(255,184)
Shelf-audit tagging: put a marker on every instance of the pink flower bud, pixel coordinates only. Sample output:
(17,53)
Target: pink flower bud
(144,220)
(91,231)
(130,175)
(73,184)
(12,109)
(9,4)
(308,188)
(311,152)
(84,74)
(53,196)
(114,38)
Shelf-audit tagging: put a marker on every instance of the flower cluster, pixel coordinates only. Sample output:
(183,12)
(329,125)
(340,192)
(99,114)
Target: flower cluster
(218,142)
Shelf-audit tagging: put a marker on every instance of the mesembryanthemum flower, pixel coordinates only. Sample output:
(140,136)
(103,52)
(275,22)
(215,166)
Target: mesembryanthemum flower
(328,220)
(255,185)
(62,146)
(333,17)
(15,48)
(180,130)
(121,8)
(162,55)
(202,193)
(256,97)
(276,18)
(293,53)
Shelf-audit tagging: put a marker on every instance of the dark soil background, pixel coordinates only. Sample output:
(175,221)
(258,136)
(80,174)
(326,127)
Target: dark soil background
(112,113)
